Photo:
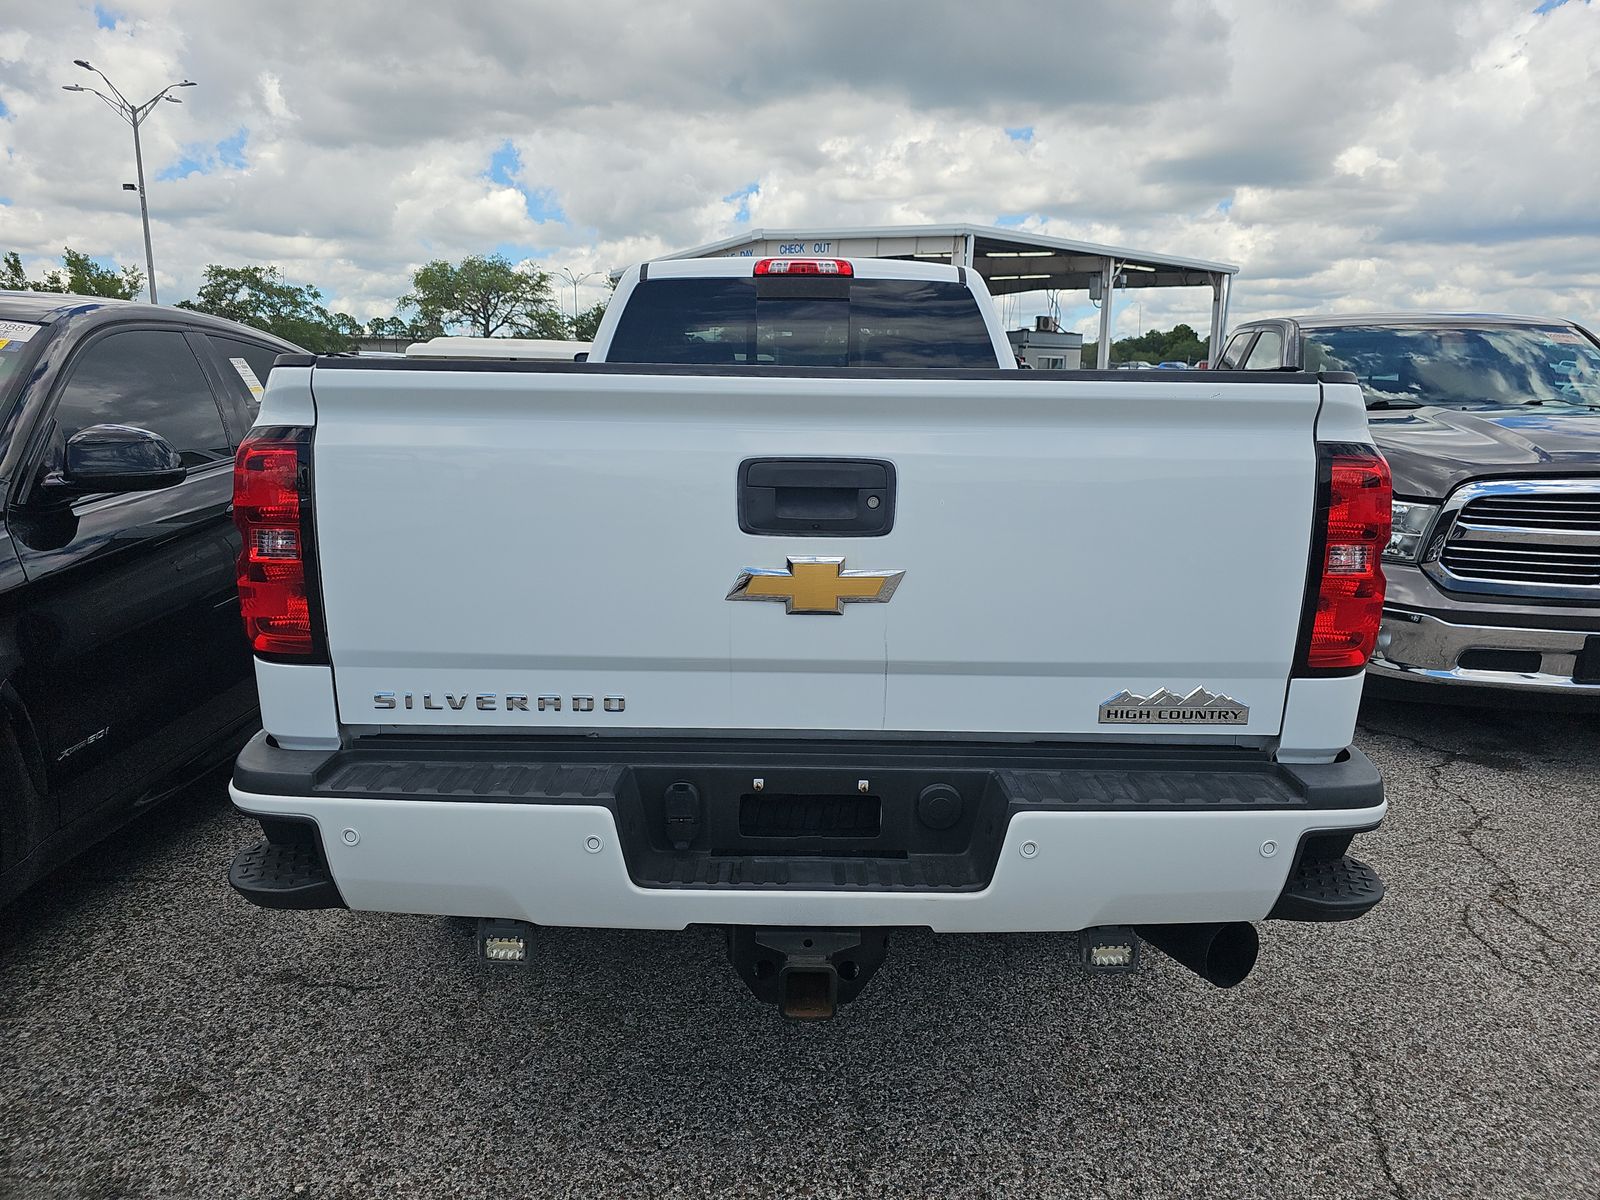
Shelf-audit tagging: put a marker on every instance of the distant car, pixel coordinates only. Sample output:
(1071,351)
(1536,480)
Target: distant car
(1172,366)
(1136,365)
(1491,426)
(124,670)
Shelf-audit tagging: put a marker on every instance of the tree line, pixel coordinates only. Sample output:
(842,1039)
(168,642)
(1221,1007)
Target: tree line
(482,295)
(1178,344)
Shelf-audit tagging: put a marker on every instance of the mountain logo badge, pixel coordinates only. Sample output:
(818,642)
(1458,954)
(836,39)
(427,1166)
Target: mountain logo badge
(1167,707)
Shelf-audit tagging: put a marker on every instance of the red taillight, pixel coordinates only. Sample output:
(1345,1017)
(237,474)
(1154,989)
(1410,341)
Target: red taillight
(275,570)
(1355,519)
(804,266)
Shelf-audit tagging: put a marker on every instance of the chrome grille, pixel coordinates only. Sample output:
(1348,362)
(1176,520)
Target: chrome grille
(1530,538)
(1531,564)
(1578,512)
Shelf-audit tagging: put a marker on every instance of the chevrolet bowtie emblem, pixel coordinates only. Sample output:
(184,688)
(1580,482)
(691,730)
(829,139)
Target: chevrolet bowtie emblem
(815,585)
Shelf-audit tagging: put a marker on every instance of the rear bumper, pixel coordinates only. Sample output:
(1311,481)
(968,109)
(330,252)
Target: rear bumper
(1057,840)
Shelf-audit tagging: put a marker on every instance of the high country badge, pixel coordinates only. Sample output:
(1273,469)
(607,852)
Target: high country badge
(1166,707)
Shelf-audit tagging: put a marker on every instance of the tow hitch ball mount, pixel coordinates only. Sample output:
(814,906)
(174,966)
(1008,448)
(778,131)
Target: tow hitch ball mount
(807,973)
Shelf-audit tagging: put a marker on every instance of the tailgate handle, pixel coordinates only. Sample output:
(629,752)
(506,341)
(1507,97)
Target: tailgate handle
(816,497)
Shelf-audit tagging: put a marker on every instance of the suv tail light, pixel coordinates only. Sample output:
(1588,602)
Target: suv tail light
(1344,594)
(277,563)
(804,266)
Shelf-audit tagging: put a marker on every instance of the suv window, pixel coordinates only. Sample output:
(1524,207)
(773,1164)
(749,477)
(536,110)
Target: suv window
(257,363)
(148,378)
(1235,351)
(803,322)
(1267,354)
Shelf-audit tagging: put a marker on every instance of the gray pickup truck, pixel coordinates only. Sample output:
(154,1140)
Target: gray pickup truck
(1491,426)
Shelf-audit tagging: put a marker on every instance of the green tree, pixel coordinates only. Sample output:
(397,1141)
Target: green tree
(387,327)
(259,296)
(82,276)
(587,323)
(486,295)
(12,277)
(1178,344)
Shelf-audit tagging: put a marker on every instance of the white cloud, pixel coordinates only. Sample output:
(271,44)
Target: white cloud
(1347,154)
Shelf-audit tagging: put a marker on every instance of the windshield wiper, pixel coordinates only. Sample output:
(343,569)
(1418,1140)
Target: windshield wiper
(1372,404)
(1562,404)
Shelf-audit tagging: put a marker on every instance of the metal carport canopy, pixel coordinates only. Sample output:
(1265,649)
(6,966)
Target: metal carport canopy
(1010,261)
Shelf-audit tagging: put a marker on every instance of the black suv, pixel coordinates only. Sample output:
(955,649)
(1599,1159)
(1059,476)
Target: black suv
(1491,426)
(123,665)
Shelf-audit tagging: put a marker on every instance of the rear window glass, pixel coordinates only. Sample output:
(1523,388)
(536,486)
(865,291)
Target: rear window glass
(865,323)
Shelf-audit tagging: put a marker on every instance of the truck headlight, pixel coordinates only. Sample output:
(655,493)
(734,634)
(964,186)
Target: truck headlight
(1412,520)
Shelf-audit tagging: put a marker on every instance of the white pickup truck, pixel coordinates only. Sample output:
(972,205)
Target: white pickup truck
(795,611)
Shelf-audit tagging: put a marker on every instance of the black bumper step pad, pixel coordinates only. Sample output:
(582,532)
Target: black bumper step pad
(1138,790)
(275,875)
(1337,889)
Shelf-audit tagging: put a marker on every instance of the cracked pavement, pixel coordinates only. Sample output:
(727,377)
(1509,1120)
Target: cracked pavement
(159,1037)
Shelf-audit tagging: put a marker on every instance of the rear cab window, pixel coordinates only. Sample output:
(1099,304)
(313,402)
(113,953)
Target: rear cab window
(1267,353)
(802,322)
(1234,354)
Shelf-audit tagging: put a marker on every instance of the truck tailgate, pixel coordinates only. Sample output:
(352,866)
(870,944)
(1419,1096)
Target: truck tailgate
(574,534)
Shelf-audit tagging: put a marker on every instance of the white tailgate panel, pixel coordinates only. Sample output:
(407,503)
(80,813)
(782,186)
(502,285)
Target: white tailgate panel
(576,534)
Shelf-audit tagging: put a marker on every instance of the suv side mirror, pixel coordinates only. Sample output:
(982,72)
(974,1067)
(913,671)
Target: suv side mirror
(117,458)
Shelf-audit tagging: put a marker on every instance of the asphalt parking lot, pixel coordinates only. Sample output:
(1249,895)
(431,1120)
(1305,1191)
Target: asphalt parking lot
(159,1037)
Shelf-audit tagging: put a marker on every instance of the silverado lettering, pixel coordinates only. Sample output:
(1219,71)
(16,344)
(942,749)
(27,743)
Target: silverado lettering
(492,702)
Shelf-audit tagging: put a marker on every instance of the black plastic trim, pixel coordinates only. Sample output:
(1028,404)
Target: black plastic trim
(761,480)
(1322,852)
(538,367)
(1351,781)
(287,869)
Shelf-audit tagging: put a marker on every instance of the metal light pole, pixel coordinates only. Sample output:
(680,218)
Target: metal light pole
(575,280)
(134,115)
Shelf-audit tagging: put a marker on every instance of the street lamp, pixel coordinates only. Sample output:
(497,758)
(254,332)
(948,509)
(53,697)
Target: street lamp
(134,115)
(575,280)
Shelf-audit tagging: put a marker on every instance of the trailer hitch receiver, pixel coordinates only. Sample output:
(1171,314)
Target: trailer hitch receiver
(807,973)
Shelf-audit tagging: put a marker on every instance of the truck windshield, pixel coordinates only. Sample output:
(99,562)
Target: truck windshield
(1463,366)
(803,322)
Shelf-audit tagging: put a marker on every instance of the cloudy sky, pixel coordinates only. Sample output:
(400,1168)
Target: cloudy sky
(1346,153)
